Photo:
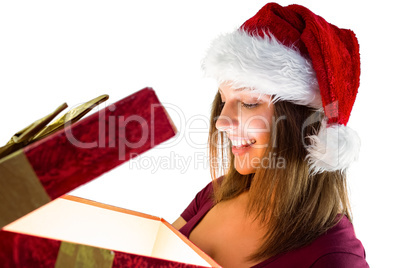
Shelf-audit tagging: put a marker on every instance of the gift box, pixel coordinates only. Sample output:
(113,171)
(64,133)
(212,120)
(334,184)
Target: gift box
(41,163)
(41,226)
(75,232)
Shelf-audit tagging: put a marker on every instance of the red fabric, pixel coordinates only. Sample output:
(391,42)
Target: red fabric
(197,209)
(123,260)
(19,250)
(334,52)
(339,247)
(339,260)
(61,166)
(25,251)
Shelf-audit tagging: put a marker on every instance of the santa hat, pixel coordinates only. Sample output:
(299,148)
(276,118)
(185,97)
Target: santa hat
(296,56)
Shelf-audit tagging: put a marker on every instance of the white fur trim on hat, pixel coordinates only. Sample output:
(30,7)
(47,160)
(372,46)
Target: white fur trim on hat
(333,148)
(264,65)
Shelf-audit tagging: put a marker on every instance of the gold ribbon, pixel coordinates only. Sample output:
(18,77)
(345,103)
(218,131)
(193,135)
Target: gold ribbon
(39,129)
(76,256)
(20,189)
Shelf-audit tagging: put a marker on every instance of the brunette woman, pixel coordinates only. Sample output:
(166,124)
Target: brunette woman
(287,83)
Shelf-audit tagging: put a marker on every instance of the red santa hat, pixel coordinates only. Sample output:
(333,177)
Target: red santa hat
(297,56)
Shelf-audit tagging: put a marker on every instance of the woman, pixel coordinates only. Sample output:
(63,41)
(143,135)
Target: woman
(287,83)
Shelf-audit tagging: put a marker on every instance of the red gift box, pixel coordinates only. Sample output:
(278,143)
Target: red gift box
(75,232)
(82,151)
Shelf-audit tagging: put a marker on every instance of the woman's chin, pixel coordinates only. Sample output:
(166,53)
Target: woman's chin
(245,171)
(243,165)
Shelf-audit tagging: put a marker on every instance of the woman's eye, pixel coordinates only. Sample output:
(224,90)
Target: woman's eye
(249,105)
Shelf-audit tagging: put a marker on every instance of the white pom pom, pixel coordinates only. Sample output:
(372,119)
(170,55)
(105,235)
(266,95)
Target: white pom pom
(333,148)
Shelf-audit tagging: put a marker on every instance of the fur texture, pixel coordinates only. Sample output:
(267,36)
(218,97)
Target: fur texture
(294,55)
(264,65)
(334,147)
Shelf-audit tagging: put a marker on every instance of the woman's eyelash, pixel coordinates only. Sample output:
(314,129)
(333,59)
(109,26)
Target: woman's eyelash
(247,105)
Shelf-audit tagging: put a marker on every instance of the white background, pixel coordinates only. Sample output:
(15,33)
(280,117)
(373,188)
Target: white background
(72,51)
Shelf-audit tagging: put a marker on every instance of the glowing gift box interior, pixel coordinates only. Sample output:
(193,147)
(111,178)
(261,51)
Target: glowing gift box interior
(76,220)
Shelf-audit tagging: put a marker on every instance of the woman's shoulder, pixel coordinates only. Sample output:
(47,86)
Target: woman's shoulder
(207,192)
(201,200)
(338,247)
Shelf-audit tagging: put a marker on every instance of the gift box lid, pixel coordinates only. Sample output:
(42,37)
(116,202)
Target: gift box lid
(81,152)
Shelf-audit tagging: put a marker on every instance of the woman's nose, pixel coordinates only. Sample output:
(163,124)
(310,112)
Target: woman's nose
(229,117)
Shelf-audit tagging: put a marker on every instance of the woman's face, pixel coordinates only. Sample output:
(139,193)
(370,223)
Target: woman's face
(246,118)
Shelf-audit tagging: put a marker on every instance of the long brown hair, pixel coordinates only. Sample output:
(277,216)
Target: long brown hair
(294,206)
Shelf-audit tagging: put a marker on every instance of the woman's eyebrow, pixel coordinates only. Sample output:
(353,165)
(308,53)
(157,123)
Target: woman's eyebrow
(237,89)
